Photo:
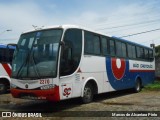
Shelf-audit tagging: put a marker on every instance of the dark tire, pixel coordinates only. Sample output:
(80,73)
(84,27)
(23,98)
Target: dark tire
(3,88)
(87,94)
(138,86)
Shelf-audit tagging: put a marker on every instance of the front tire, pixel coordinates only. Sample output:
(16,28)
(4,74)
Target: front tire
(3,88)
(87,94)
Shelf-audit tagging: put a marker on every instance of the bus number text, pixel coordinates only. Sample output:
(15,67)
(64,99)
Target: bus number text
(45,81)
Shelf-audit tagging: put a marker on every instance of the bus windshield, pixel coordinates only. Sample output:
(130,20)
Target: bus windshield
(36,55)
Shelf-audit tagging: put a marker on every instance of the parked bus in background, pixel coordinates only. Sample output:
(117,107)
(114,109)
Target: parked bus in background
(68,61)
(6,54)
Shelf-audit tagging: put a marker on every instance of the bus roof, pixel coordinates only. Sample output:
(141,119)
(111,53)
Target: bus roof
(5,46)
(66,27)
(84,28)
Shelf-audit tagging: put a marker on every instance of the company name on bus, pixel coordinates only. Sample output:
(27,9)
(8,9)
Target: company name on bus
(142,66)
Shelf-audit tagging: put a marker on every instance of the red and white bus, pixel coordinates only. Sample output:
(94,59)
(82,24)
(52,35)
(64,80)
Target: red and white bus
(6,54)
(68,61)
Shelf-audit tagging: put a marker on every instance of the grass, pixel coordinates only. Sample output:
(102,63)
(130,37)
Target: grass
(153,86)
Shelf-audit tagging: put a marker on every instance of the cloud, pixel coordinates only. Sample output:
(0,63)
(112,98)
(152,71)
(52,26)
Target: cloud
(20,16)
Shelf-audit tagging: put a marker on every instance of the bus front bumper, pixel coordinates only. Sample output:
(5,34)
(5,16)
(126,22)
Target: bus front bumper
(50,94)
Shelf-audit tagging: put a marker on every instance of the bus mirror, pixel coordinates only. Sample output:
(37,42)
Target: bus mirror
(35,45)
(62,43)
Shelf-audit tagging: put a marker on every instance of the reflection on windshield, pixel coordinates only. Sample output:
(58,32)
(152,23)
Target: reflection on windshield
(37,55)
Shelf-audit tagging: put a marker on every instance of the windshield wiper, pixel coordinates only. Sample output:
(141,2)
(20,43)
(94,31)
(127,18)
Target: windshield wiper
(24,64)
(35,67)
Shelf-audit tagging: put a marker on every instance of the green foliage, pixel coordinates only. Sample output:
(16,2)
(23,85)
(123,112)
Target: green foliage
(154,86)
(157,50)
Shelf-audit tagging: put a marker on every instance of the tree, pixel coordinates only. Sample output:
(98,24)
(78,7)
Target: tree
(157,51)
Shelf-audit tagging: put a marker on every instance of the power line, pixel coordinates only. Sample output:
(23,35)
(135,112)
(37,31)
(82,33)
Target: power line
(131,27)
(157,20)
(140,33)
(142,15)
(155,39)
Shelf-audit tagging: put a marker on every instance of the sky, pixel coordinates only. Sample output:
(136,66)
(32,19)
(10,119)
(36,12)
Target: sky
(118,18)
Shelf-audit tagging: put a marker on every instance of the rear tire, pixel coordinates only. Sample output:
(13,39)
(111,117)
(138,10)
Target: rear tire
(3,88)
(138,86)
(87,94)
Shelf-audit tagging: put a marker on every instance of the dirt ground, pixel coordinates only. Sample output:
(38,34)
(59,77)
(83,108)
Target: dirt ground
(102,105)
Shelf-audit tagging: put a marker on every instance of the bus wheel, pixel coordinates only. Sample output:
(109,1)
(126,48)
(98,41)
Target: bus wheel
(3,88)
(87,93)
(137,87)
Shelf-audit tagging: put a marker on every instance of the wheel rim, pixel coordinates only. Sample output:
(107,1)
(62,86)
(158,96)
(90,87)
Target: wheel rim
(1,87)
(87,94)
(138,86)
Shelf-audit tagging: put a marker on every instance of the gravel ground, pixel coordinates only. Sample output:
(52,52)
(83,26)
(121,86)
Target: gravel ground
(115,102)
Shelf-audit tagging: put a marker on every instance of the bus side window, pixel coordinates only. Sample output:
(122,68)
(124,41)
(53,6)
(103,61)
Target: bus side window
(10,53)
(142,53)
(146,53)
(118,48)
(124,50)
(138,52)
(6,55)
(104,44)
(112,47)
(92,44)
(71,51)
(2,55)
(151,54)
(129,47)
(133,52)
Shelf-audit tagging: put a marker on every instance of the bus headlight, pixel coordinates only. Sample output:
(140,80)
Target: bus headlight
(13,86)
(45,87)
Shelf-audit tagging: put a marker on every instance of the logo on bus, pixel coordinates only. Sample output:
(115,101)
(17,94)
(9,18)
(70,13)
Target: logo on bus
(67,92)
(118,67)
(26,86)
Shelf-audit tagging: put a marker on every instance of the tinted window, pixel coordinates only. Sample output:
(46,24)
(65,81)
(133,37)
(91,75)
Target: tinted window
(146,53)
(121,49)
(124,51)
(142,52)
(96,45)
(131,51)
(118,48)
(92,44)
(71,52)
(6,55)
(138,52)
(150,53)
(2,54)
(129,47)
(104,43)
(112,47)
(88,43)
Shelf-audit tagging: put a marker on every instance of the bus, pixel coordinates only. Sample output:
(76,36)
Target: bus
(6,54)
(68,61)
